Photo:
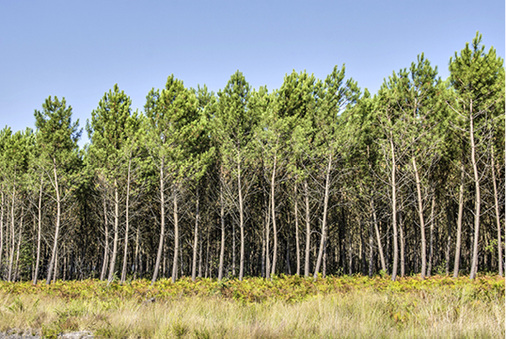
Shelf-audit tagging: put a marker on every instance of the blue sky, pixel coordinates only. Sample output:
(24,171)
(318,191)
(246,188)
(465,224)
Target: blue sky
(80,49)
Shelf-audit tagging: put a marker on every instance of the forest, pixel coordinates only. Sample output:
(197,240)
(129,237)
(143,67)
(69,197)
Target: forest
(316,178)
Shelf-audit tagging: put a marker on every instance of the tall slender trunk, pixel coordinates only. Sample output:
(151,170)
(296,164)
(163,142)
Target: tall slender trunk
(196,238)
(477,201)
(176,234)
(394,208)
(371,250)
(297,243)
(308,230)
(431,235)
(112,265)
(57,228)
(1,229)
(273,211)
(241,220)
(323,238)
(267,241)
(39,233)
(106,245)
(162,223)
(378,236)
(222,244)
(403,246)
(136,255)
(423,245)
(497,217)
(20,233)
(127,222)
(458,242)
(12,245)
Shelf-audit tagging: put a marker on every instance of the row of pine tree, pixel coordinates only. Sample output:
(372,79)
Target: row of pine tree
(314,178)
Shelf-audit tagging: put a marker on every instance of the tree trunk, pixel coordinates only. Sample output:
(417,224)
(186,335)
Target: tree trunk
(106,245)
(222,244)
(11,256)
(394,209)
(458,242)
(241,221)
(127,223)
(297,244)
(431,236)
(378,236)
(39,233)
(57,228)
(323,238)
(196,239)
(16,270)
(267,241)
(308,230)
(497,217)
(112,265)
(477,204)
(1,230)
(176,235)
(162,223)
(274,228)
(423,247)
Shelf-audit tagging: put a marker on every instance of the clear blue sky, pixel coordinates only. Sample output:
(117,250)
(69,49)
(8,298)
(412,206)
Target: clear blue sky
(80,49)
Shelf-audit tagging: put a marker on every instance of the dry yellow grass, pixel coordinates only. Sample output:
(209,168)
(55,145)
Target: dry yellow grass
(357,313)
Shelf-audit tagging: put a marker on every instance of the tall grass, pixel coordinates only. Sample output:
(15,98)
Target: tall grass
(392,311)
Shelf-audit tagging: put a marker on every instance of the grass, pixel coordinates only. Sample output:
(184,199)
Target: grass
(286,307)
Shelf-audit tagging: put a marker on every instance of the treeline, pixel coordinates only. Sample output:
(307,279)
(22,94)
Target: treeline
(317,177)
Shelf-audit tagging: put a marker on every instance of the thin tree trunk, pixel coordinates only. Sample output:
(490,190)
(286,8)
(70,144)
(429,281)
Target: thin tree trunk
(222,244)
(403,246)
(196,239)
(137,259)
(39,233)
(297,243)
(11,257)
(477,205)
(106,245)
(423,247)
(16,270)
(241,220)
(458,242)
(323,238)
(57,228)
(1,230)
(308,230)
(378,236)
(431,236)
(497,217)
(112,265)
(274,228)
(176,235)
(162,223)
(394,209)
(127,223)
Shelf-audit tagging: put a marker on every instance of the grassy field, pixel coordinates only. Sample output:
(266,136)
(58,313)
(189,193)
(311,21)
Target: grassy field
(286,307)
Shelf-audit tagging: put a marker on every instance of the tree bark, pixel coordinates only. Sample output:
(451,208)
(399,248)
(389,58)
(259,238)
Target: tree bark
(176,235)
(112,265)
(11,256)
(241,221)
(222,244)
(308,230)
(196,238)
(323,238)
(394,209)
(39,233)
(378,236)
(162,223)
(458,241)
(297,243)
(274,228)
(423,245)
(106,245)
(477,201)
(497,217)
(127,222)
(57,228)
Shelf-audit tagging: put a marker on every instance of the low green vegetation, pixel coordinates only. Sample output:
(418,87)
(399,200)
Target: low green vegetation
(286,306)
